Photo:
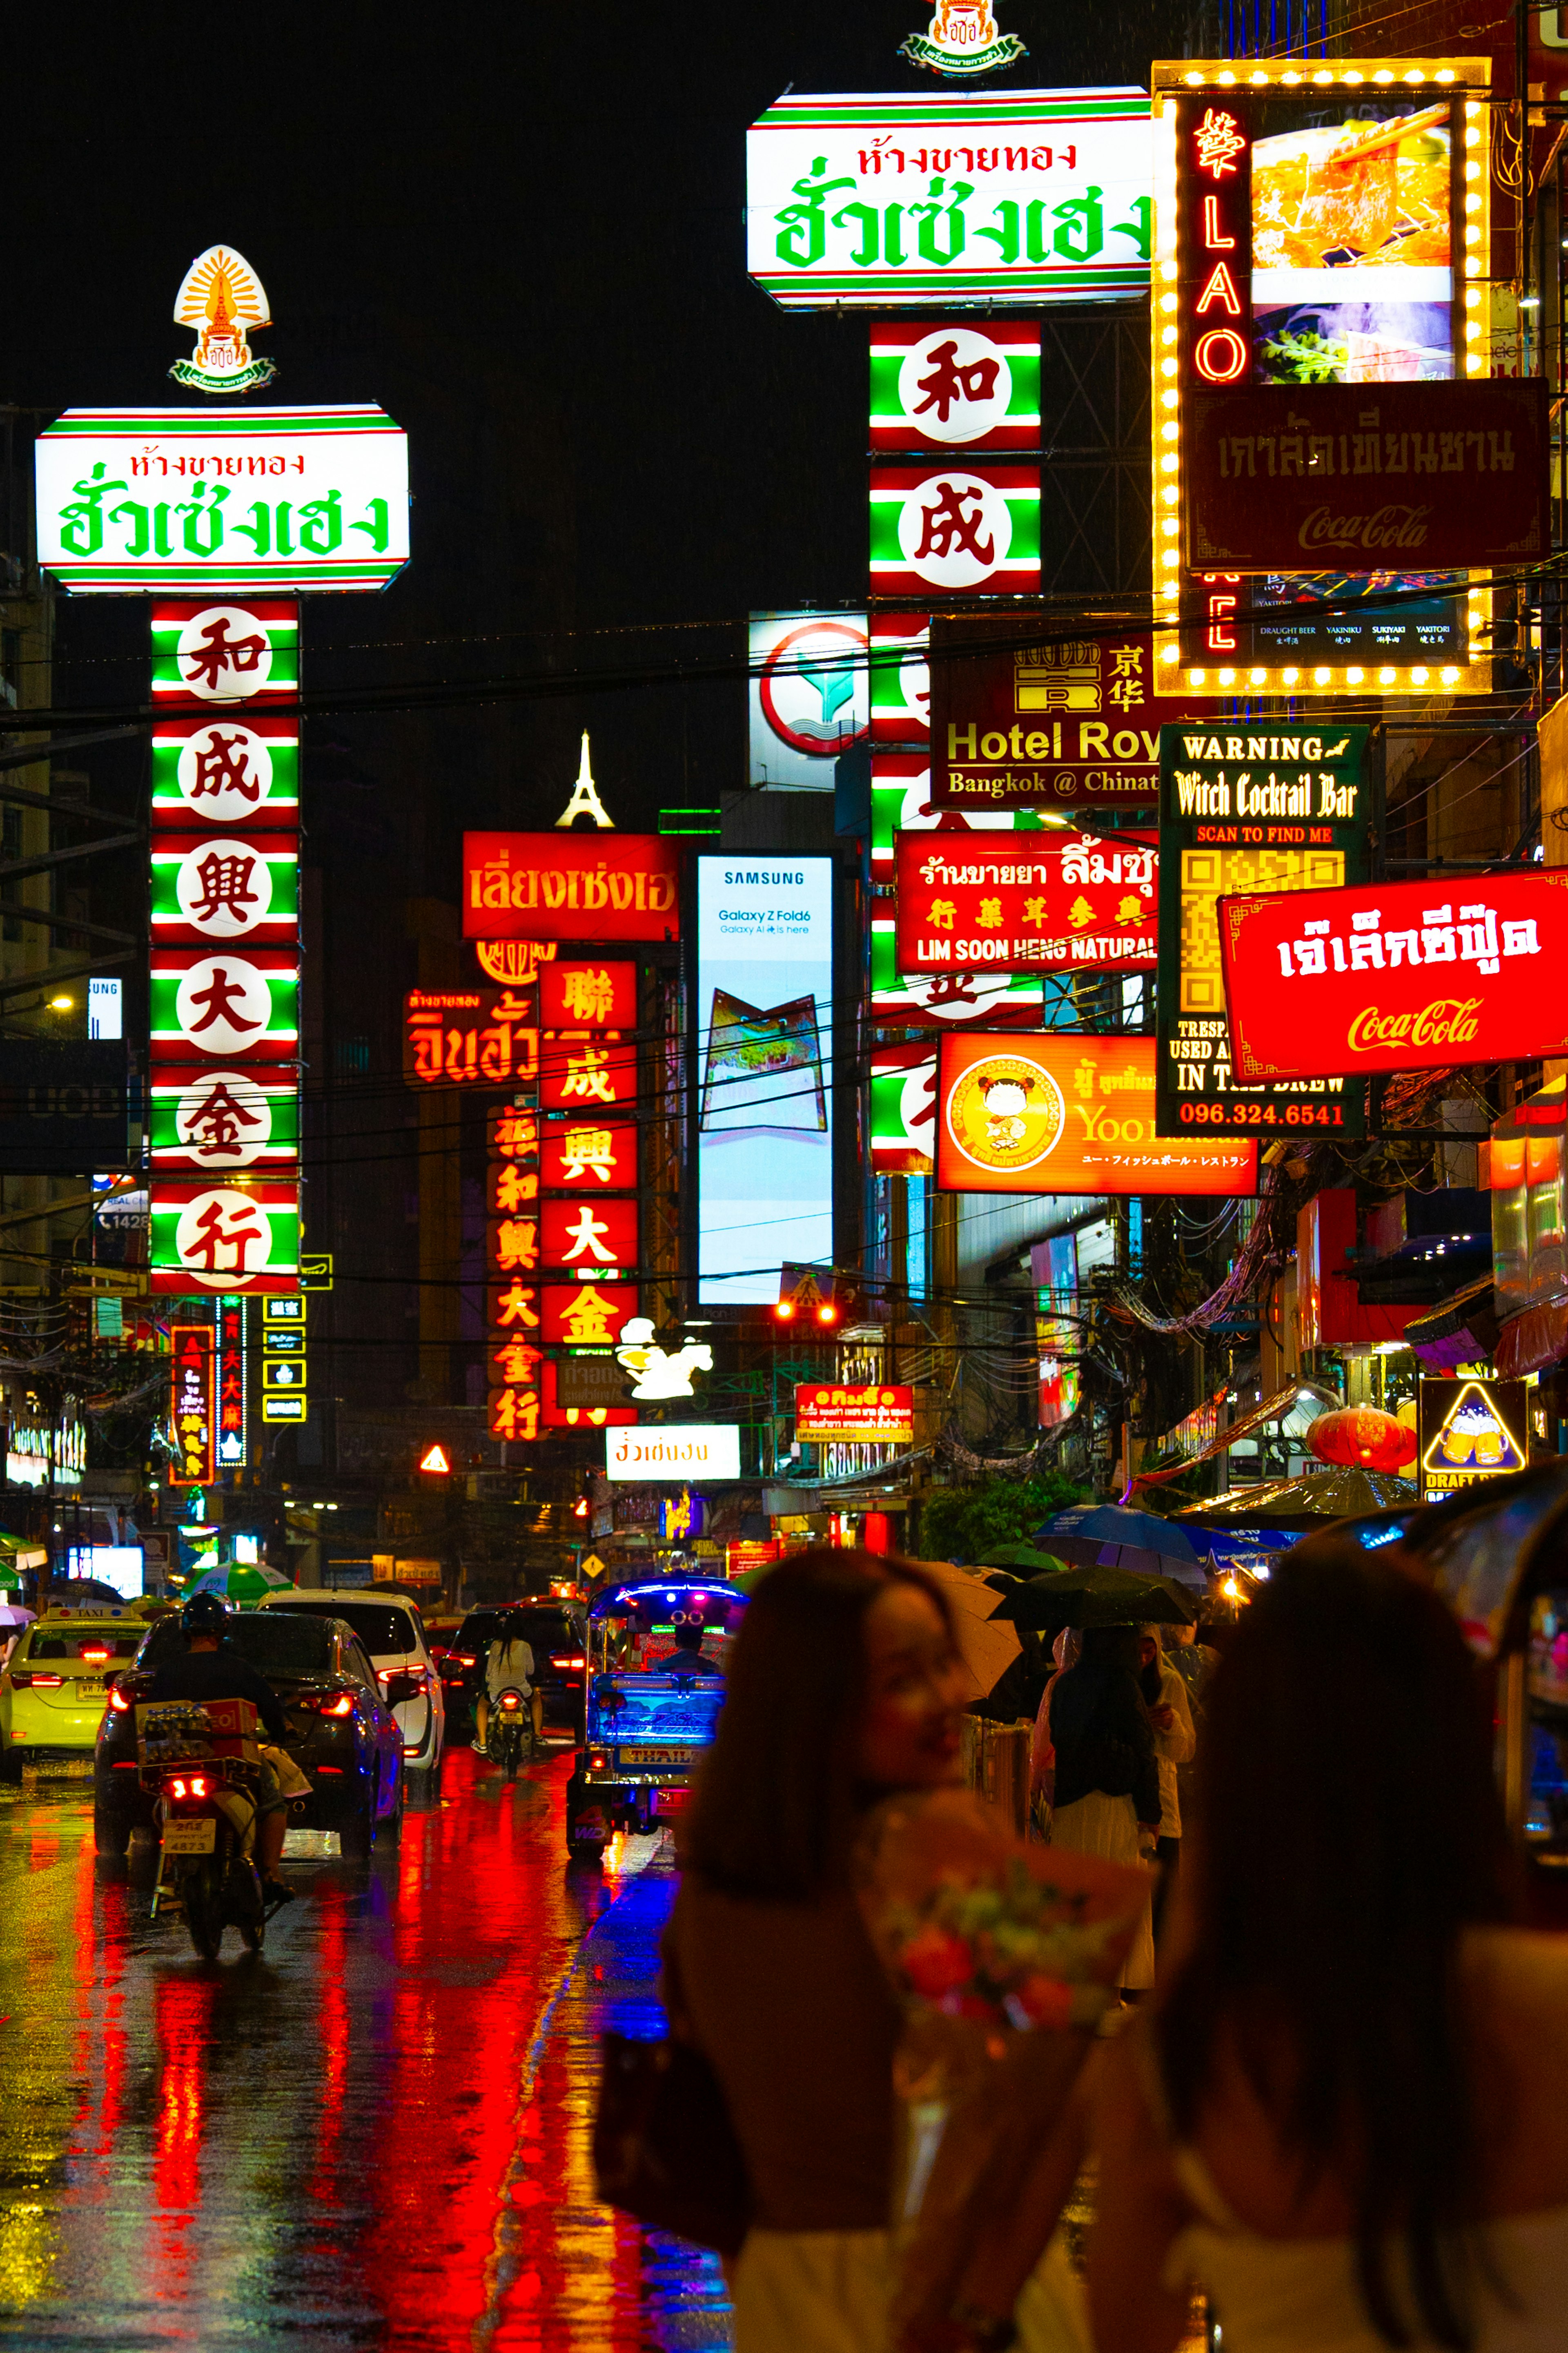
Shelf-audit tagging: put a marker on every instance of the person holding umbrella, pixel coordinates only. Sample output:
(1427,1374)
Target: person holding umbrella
(1107,1770)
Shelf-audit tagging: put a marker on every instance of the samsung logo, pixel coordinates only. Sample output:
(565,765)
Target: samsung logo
(764,875)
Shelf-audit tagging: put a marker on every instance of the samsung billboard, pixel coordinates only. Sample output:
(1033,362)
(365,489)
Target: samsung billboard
(764,1060)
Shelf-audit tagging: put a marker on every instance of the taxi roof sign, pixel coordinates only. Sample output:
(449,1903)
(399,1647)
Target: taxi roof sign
(434,1459)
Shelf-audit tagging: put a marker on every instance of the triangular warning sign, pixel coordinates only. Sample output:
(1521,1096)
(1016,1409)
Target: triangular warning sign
(1473,1438)
(436,1459)
(808,1293)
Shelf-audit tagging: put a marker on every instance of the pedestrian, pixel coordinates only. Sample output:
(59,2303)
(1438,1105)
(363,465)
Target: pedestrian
(1107,1789)
(1042,1751)
(845,1686)
(1175,1745)
(1346,2117)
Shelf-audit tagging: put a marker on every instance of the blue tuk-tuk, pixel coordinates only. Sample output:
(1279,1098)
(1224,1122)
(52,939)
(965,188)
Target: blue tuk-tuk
(650,1704)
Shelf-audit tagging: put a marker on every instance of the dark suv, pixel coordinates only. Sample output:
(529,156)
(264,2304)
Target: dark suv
(555,1631)
(341,1730)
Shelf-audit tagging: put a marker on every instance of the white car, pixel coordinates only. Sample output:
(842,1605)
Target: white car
(393,1631)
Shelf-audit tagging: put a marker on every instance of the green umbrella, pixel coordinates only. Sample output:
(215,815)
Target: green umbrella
(1023,1560)
(241,1582)
(1096,1597)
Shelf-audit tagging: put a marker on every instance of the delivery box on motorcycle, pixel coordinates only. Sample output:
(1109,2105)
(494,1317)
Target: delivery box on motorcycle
(172,1731)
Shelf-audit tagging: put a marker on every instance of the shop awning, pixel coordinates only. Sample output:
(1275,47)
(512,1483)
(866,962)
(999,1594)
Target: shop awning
(1460,1330)
(1530,1342)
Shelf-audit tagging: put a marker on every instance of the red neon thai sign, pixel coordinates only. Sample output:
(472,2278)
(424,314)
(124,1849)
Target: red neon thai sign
(1395,975)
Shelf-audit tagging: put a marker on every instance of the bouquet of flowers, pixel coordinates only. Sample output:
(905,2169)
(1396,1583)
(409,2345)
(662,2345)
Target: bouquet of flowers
(1006,1959)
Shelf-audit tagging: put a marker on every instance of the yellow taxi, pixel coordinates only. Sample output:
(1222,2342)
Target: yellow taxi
(53,1684)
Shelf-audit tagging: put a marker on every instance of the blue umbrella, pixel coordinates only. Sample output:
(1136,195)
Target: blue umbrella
(1110,1537)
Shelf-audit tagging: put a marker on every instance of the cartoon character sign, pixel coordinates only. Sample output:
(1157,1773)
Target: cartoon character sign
(1007,1112)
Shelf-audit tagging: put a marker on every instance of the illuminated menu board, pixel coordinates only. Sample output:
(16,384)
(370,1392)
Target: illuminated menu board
(1316,225)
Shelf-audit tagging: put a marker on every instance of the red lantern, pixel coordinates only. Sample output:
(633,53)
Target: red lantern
(1361,1434)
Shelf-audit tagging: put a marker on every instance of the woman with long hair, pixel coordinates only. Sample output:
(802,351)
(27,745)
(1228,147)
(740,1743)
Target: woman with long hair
(1106,1791)
(844,1687)
(1347,2117)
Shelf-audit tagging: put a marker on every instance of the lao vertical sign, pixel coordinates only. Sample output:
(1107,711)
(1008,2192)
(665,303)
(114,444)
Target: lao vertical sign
(905,199)
(1247,811)
(193,501)
(1397,976)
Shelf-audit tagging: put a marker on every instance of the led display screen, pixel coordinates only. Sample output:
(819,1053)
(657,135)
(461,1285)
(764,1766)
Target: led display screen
(765,1052)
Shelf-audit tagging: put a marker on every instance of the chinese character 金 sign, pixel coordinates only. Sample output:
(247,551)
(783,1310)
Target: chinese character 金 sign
(470,1037)
(1397,977)
(191,1404)
(1019,720)
(1412,476)
(571,886)
(1322,253)
(224,1080)
(1245,813)
(902,199)
(1068,1114)
(874,1416)
(1470,1430)
(1024,901)
(134,500)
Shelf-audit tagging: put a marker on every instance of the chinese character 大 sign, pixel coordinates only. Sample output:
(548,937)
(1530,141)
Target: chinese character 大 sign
(903,199)
(132,500)
(1396,975)
(1029,902)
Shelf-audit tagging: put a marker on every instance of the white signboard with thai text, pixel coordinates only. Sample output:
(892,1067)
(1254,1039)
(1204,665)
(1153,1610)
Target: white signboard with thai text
(1003,196)
(684,1451)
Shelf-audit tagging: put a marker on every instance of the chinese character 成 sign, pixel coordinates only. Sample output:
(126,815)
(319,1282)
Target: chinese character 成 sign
(967,527)
(900,199)
(1058,903)
(131,500)
(1396,975)
(1068,1114)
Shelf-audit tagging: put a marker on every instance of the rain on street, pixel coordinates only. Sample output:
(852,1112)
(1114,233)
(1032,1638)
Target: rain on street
(375,2135)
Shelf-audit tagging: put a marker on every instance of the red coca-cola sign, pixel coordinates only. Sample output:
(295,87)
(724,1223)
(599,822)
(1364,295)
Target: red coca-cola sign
(1395,975)
(1025,902)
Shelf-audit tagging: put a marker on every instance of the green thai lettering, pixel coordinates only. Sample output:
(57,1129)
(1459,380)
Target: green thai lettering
(285,545)
(141,539)
(375,530)
(1080,234)
(865,252)
(893,235)
(1004,237)
(81,522)
(321,524)
(203,523)
(1141,229)
(934,247)
(258,529)
(803,227)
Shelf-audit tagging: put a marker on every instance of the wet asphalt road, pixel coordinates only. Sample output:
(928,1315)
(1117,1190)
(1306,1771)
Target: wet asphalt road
(375,2135)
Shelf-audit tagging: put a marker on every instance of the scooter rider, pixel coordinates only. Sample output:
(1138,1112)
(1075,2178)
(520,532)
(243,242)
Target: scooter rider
(508,1666)
(211,1670)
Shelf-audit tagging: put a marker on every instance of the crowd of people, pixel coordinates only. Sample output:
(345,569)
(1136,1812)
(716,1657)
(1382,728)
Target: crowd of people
(1333,2102)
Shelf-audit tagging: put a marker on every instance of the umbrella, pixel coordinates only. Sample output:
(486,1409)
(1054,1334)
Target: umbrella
(988,1649)
(1110,1537)
(240,1582)
(1346,1492)
(12,1616)
(1023,1560)
(1095,1596)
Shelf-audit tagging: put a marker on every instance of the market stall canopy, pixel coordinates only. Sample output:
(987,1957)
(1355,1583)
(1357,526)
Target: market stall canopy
(1096,1595)
(1342,1493)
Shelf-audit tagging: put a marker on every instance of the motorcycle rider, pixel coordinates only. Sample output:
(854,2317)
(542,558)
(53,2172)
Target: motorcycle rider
(212,1670)
(508,1666)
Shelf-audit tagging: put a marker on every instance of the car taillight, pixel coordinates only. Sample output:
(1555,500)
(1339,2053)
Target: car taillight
(598,1760)
(118,1701)
(415,1675)
(198,1787)
(327,1703)
(578,1660)
(97,1656)
(464,1659)
(39,1683)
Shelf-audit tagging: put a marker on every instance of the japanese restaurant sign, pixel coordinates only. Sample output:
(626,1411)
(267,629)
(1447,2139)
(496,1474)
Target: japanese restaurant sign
(134,500)
(1283,807)
(1065,1113)
(571,886)
(1025,902)
(1021,721)
(827,1414)
(1380,478)
(1397,976)
(903,199)
(470,1037)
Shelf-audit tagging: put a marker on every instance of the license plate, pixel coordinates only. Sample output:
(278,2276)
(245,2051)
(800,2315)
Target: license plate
(656,1760)
(198,1837)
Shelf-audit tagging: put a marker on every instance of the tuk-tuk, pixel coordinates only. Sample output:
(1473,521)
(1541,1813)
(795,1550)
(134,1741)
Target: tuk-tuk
(646,1727)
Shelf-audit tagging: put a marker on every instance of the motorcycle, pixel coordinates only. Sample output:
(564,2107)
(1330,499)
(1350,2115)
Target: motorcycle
(510,1731)
(207,1819)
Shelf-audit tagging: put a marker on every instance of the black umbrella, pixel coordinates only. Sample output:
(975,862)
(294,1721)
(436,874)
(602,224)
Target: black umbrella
(1095,1597)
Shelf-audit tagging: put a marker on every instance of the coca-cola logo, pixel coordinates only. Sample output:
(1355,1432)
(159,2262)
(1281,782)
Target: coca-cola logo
(1390,526)
(1446,1021)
